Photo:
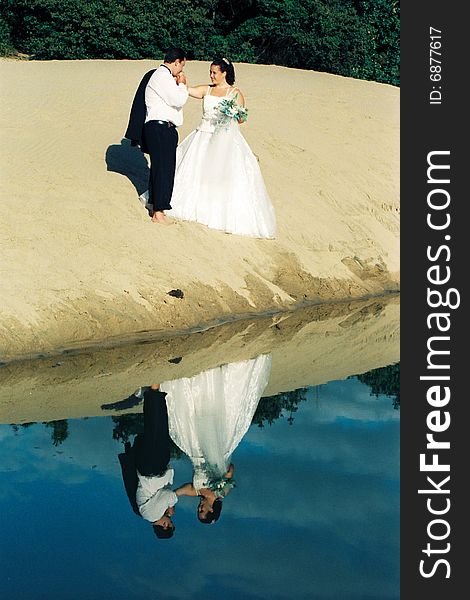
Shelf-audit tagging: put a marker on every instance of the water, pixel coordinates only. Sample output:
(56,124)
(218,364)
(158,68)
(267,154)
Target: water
(315,511)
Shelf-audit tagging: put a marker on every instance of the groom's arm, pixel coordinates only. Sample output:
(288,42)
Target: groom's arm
(174,94)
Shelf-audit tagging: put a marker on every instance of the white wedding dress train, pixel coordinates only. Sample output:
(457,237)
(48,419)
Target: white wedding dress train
(209,414)
(218,181)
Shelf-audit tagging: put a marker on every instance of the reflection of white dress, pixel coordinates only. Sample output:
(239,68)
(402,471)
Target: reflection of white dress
(218,181)
(208,414)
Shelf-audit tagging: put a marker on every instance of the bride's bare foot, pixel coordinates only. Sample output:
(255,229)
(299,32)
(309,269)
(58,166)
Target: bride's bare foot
(159,217)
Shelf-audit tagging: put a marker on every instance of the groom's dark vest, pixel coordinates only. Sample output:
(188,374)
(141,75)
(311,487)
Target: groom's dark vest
(135,128)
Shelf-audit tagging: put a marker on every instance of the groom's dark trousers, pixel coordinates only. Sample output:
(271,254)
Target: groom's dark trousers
(162,140)
(152,449)
(150,453)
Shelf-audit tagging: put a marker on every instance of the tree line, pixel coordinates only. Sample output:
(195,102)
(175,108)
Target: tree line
(353,38)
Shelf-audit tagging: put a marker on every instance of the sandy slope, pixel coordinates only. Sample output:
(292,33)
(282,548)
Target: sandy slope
(80,259)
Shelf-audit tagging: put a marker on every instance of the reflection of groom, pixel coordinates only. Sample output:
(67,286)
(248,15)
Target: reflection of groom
(146,471)
(156,112)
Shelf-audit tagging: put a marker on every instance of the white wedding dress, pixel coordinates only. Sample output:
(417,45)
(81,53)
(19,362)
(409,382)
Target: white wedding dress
(218,181)
(209,414)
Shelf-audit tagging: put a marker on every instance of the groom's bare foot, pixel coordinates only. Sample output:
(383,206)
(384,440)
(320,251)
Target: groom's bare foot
(159,217)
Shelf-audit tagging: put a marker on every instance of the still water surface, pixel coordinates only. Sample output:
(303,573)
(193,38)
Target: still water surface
(314,514)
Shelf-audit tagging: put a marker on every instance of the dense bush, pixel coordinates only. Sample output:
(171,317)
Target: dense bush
(6,45)
(356,38)
(385,380)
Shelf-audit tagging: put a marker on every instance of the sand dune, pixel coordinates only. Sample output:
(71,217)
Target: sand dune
(80,260)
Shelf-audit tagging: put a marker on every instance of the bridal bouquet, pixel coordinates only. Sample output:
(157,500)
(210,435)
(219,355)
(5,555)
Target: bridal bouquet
(229,110)
(222,486)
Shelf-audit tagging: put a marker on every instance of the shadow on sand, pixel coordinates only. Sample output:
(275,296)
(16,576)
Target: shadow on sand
(129,161)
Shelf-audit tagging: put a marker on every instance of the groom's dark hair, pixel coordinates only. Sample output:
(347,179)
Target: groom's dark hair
(173,54)
(162,533)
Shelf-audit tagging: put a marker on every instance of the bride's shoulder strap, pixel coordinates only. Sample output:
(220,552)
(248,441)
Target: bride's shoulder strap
(233,91)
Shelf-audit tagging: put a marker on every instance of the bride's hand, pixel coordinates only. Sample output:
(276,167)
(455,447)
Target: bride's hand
(181,78)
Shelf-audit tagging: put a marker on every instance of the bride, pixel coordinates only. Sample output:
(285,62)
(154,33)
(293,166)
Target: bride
(218,181)
(208,415)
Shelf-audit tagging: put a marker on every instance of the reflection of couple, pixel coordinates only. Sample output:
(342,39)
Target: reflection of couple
(212,177)
(206,416)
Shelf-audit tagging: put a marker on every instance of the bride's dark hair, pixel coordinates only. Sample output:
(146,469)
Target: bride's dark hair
(213,516)
(226,67)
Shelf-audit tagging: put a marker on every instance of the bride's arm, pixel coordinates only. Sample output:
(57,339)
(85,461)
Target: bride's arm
(198,91)
(240,98)
(241,102)
(186,490)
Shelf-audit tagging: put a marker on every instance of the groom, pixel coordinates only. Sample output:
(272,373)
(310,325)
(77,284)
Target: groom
(157,110)
(147,474)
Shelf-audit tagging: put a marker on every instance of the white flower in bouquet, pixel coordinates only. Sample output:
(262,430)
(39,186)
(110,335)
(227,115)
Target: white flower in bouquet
(229,111)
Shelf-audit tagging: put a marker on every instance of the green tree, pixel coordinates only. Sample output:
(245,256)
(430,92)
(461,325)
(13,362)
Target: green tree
(16,427)
(385,380)
(60,431)
(6,44)
(73,29)
(271,408)
(381,19)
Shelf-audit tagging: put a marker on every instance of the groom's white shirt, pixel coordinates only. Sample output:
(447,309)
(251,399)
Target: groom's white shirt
(164,98)
(154,495)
